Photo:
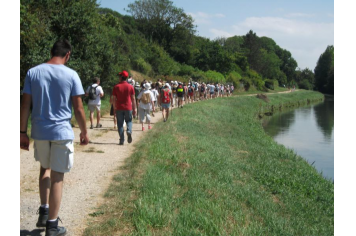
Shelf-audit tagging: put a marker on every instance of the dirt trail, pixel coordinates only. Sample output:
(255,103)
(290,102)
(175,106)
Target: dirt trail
(84,186)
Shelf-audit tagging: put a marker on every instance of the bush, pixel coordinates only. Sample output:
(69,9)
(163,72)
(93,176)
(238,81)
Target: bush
(269,83)
(142,66)
(234,78)
(304,84)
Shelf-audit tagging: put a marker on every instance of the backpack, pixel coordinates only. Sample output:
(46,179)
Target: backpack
(202,89)
(92,92)
(165,97)
(174,89)
(146,98)
(190,90)
(180,89)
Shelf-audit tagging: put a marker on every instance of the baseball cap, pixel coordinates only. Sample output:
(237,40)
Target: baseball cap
(124,74)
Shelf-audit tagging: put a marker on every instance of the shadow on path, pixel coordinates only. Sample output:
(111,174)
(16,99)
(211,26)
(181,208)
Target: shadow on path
(35,232)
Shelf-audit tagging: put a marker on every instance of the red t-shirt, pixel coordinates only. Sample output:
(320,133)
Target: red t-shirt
(123,91)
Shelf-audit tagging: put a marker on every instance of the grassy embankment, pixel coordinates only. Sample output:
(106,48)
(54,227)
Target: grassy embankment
(211,170)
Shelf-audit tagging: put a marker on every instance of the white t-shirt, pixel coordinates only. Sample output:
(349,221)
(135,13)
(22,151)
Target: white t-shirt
(99,90)
(155,94)
(148,105)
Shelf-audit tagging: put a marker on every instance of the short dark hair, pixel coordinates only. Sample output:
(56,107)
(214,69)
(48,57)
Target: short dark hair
(61,48)
(95,80)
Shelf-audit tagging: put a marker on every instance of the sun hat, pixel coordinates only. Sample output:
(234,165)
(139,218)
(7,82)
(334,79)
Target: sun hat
(166,85)
(124,74)
(133,82)
(137,84)
(129,81)
(147,85)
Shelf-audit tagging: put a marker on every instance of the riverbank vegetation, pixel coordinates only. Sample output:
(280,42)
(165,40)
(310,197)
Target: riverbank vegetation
(211,170)
(105,42)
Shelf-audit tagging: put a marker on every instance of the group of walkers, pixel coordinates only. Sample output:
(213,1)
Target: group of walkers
(52,89)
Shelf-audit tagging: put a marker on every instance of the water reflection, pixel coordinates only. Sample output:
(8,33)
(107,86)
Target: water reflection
(309,131)
(325,116)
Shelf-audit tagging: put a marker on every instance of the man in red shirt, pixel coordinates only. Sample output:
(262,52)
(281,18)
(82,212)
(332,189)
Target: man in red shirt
(124,106)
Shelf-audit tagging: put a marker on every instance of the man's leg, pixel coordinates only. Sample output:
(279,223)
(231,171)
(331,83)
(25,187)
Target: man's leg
(120,115)
(91,118)
(128,120)
(55,195)
(44,184)
(97,117)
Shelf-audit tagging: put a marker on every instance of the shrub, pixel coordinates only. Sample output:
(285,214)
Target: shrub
(142,66)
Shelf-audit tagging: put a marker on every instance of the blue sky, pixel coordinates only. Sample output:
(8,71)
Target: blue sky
(305,28)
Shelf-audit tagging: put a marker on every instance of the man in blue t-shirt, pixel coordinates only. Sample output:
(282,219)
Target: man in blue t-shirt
(52,88)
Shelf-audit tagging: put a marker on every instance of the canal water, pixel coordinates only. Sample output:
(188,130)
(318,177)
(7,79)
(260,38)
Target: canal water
(309,131)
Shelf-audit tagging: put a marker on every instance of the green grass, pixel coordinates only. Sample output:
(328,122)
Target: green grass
(211,170)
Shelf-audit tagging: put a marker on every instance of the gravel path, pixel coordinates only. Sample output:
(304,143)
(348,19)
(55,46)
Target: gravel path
(84,186)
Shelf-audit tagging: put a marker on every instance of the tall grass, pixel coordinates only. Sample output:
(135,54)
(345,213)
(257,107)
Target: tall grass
(211,170)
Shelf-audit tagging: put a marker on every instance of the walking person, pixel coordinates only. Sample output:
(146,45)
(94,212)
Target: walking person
(185,87)
(125,106)
(180,94)
(137,92)
(155,96)
(190,93)
(166,97)
(146,105)
(53,89)
(95,93)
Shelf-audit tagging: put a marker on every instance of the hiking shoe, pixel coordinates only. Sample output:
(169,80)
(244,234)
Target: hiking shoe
(52,229)
(164,120)
(143,128)
(121,143)
(91,126)
(129,138)
(43,216)
(149,127)
(99,126)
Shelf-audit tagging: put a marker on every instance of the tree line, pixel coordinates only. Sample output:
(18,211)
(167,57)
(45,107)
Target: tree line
(159,40)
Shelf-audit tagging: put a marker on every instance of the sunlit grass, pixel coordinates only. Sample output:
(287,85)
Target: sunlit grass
(211,170)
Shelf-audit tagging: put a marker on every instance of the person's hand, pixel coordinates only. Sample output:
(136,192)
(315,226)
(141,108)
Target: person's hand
(24,142)
(134,112)
(84,139)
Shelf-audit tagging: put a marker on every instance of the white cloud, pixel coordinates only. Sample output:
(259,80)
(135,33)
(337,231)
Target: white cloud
(302,15)
(220,33)
(305,40)
(205,18)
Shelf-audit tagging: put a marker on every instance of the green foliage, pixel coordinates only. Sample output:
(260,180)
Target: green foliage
(324,71)
(305,79)
(157,40)
(215,77)
(234,78)
(142,66)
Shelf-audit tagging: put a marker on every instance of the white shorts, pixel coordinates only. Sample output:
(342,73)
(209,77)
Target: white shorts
(56,154)
(93,107)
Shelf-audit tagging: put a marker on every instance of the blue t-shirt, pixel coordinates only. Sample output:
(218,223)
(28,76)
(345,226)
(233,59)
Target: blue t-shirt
(52,88)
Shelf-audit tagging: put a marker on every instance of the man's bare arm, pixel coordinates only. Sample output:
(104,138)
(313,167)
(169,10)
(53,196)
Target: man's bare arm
(133,101)
(80,117)
(24,115)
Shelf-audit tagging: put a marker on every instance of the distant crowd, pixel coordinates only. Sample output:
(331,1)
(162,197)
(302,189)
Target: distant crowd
(151,96)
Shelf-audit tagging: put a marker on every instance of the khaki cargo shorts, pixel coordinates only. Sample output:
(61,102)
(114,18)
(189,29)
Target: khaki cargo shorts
(55,154)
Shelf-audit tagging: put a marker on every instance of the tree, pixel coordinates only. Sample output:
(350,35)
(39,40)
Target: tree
(160,20)
(324,71)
